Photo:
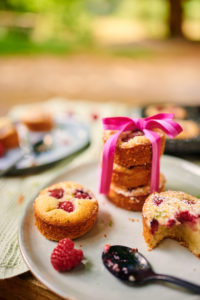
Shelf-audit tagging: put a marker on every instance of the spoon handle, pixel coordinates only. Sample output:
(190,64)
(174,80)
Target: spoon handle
(183,283)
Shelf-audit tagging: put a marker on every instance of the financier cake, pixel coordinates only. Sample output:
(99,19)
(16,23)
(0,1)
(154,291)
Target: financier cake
(8,134)
(132,177)
(175,215)
(133,148)
(132,198)
(37,120)
(65,209)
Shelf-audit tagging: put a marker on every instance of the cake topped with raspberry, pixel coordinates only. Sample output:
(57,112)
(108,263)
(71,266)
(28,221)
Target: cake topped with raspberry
(130,138)
(65,209)
(8,134)
(172,214)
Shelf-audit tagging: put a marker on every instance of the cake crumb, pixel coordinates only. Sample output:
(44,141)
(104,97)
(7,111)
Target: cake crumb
(80,246)
(105,235)
(20,199)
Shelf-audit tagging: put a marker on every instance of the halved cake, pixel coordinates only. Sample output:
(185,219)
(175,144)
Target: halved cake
(172,214)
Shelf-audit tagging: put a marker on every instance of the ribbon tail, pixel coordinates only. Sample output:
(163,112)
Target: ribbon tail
(107,164)
(155,171)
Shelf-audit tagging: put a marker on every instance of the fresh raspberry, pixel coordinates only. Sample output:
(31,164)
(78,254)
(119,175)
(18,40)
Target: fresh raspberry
(67,206)
(57,193)
(157,200)
(64,257)
(154,226)
(81,194)
(131,135)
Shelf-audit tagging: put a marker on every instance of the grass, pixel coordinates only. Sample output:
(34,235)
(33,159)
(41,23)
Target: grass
(18,44)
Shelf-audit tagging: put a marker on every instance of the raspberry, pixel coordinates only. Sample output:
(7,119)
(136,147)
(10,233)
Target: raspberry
(81,194)
(67,206)
(158,200)
(131,135)
(170,223)
(185,216)
(56,193)
(64,257)
(154,226)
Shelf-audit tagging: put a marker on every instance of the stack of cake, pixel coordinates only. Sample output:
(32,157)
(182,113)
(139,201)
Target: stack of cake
(131,175)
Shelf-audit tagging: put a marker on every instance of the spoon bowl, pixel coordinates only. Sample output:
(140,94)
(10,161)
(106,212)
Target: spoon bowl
(128,265)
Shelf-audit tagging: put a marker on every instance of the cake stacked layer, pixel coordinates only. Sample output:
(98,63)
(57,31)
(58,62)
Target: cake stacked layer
(131,175)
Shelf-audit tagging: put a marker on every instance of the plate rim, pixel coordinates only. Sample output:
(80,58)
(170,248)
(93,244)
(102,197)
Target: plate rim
(191,166)
(38,168)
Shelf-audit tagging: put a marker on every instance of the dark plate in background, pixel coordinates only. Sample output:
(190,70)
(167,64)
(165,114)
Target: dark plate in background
(69,137)
(184,146)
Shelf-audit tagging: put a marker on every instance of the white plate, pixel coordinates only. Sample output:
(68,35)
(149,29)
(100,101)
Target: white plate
(94,282)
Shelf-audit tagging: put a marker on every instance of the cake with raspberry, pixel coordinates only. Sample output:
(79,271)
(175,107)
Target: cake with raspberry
(132,198)
(172,214)
(133,148)
(178,111)
(65,209)
(37,119)
(131,177)
(8,134)
(190,130)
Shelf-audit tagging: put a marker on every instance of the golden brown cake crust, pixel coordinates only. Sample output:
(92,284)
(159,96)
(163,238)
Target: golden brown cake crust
(38,120)
(137,151)
(54,222)
(131,177)
(171,210)
(131,200)
(8,134)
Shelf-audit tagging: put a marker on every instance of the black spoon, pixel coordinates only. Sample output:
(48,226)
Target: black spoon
(131,266)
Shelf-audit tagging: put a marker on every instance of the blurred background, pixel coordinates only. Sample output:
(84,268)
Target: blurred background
(138,51)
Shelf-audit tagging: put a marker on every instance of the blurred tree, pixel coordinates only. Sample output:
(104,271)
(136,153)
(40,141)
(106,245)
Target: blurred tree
(175,18)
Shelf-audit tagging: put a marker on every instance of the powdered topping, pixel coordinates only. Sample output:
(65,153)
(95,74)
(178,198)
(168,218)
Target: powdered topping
(170,208)
(56,193)
(68,206)
(158,200)
(135,192)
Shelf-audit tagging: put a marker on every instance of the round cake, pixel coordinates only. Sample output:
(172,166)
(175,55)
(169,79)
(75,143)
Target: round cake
(132,198)
(172,214)
(65,209)
(37,120)
(131,177)
(178,111)
(133,148)
(8,134)
(190,130)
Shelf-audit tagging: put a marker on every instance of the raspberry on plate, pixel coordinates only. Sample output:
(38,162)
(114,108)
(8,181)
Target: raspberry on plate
(64,257)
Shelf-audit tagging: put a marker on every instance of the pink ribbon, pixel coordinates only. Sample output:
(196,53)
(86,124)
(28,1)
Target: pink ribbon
(162,121)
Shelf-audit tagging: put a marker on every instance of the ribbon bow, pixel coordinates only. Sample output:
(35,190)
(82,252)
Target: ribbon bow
(162,121)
